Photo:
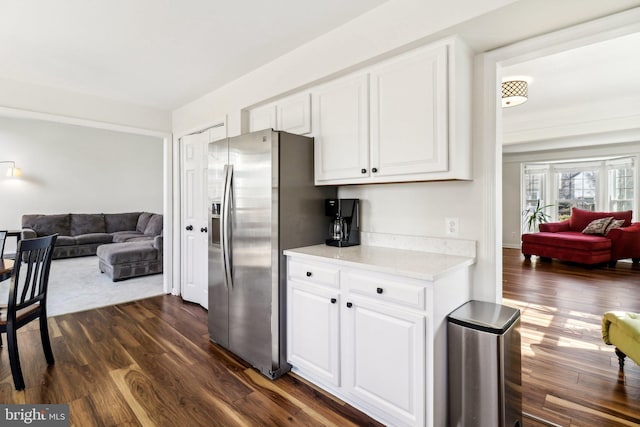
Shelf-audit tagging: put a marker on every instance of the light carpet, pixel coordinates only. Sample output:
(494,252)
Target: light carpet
(76,284)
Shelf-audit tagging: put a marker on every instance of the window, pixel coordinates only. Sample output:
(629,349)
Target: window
(621,179)
(534,188)
(576,188)
(594,185)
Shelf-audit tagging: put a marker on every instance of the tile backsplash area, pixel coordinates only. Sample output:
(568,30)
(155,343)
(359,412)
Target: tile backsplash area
(459,247)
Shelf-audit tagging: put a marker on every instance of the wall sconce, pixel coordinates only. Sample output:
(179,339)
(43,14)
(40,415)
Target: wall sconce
(13,171)
(514,92)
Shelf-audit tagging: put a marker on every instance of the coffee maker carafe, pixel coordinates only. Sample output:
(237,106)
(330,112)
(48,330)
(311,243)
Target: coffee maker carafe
(344,225)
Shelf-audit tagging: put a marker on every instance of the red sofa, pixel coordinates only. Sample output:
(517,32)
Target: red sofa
(566,241)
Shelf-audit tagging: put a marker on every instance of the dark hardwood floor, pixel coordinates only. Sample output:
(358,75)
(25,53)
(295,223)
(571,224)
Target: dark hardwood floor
(570,377)
(150,363)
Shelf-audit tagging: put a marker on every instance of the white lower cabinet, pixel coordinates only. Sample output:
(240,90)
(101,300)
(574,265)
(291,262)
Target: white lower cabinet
(384,358)
(373,339)
(314,347)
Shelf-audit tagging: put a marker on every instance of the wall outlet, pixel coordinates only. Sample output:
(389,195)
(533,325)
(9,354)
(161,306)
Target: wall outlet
(451,226)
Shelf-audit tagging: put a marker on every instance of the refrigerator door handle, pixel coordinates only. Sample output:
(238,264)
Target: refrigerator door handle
(223,225)
(226,227)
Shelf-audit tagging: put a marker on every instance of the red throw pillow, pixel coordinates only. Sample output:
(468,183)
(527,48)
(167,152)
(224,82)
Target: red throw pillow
(580,218)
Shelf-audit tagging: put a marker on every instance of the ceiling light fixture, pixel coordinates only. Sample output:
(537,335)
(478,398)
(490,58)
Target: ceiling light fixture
(514,92)
(13,171)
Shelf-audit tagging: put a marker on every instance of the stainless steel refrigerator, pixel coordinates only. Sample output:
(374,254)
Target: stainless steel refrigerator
(262,200)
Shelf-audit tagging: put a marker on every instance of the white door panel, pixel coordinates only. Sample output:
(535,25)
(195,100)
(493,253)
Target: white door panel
(194,218)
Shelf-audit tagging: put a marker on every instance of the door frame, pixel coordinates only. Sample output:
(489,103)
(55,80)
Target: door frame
(168,277)
(176,186)
(488,72)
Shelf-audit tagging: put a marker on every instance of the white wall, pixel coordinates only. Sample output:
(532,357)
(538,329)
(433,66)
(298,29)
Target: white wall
(69,168)
(511,210)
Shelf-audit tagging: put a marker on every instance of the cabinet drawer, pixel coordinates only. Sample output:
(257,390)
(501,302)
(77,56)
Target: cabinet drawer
(387,288)
(311,272)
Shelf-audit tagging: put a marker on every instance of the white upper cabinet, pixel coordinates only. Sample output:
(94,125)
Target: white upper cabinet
(291,114)
(413,123)
(409,114)
(262,118)
(341,130)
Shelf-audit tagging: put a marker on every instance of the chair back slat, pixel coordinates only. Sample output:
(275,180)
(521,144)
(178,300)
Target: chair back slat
(30,275)
(3,237)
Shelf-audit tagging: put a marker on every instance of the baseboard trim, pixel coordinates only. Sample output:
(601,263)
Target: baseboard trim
(511,245)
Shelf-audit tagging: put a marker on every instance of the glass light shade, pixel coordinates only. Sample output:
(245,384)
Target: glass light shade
(14,172)
(514,92)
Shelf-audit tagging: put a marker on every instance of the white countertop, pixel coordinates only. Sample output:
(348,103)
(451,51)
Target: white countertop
(415,264)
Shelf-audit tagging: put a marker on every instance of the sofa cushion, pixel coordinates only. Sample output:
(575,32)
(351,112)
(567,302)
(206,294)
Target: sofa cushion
(622,329)
(123,253)
(87,223)
(45,225)
(580,218)
(598,226)
(121,221)
(90,238)
(141,239)
(66,241)
(554,227)
(569,240)
(154,226)
(124,236)
(143,220)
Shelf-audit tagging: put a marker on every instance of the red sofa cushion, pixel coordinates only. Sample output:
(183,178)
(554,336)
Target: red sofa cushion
(554,227)
(569,240)
(581,218)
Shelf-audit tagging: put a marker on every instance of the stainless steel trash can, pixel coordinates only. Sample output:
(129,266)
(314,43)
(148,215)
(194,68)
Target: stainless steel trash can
(484,366)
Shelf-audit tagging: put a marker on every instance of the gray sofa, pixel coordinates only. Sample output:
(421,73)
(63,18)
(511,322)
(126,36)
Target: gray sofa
(131,241)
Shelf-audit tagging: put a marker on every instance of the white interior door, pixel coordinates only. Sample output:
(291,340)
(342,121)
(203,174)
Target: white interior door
(193,154)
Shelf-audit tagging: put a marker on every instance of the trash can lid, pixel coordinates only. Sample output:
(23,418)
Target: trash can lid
(485,316)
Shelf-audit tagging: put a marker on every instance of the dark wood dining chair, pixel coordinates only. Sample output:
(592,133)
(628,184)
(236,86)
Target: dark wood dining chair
(28,299)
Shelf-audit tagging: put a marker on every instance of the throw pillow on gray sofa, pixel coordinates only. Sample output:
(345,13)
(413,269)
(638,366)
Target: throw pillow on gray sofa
(154,226)
(143,220)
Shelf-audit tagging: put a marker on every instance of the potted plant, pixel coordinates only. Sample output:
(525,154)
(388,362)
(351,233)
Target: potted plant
(535,215)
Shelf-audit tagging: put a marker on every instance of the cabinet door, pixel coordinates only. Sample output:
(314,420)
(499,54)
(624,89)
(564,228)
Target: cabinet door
(293,114)
(262,118)
(384,358)
(341,130)
(409,114)
(312,331)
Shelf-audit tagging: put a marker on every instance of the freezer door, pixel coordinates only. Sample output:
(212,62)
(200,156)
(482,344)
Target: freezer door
(254,227)
(218,288)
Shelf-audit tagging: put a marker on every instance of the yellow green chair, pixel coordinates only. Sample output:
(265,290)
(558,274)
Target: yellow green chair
(622,329)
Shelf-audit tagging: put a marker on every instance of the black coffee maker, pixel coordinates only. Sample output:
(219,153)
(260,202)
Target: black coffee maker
(344,228)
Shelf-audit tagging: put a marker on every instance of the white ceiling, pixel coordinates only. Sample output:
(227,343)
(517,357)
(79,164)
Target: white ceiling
(578,88)
(157,53)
